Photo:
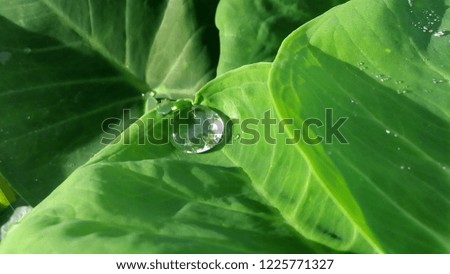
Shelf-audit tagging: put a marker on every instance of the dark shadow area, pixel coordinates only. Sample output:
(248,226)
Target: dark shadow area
(53,100)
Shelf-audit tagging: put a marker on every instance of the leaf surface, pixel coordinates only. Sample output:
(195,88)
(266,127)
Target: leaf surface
(377,65)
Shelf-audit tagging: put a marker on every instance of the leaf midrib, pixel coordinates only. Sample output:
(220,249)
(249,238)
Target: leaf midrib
(136,82)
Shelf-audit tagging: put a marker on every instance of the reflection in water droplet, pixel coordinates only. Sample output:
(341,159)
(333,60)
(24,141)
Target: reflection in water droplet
(388,131)
(197,129)
(5,57)
(27,50)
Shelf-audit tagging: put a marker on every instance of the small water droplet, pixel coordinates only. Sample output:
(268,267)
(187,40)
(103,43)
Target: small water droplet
(362,66)
(398,148)
(408,168)
(402,167)
(399,82)
(197,129)
(236,137)
(437,81)
(383,78)
(27,50)
(5,56)
(411,3)
(439,33)
(388,131)
(403,91)
(395,135)
(28,117)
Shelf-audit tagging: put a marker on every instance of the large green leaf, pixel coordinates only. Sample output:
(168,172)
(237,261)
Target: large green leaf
(252,31)
(139,196)
(385,66)
(67,65)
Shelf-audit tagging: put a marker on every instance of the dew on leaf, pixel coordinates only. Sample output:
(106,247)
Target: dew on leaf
(439,33)
(383,78)
(196,129)
(437,81)
(388,131)
(362,66)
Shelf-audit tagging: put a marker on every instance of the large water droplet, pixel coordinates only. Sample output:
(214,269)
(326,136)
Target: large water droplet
(5,57)
(197,129)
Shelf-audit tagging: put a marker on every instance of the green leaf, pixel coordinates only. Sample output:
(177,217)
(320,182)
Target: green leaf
(384,65)
(136,196)
(52,111)
(159,43)
(66,66)
(252,31)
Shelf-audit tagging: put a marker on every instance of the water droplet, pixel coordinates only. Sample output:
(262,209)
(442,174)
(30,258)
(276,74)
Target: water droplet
(437,81)
(439,33)
(388,131)
(165,107)
(402,167)
(236,137)
(395,135)
(27,50)
(5,57)
(399,82)
(197,129)
(398,148)
(28,117)
(353,101)
(362,66)
(403,91)
(411,3)
(383,78)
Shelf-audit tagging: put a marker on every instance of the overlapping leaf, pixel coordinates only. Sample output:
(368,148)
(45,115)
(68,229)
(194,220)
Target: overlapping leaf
(384,65)
(72,64)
